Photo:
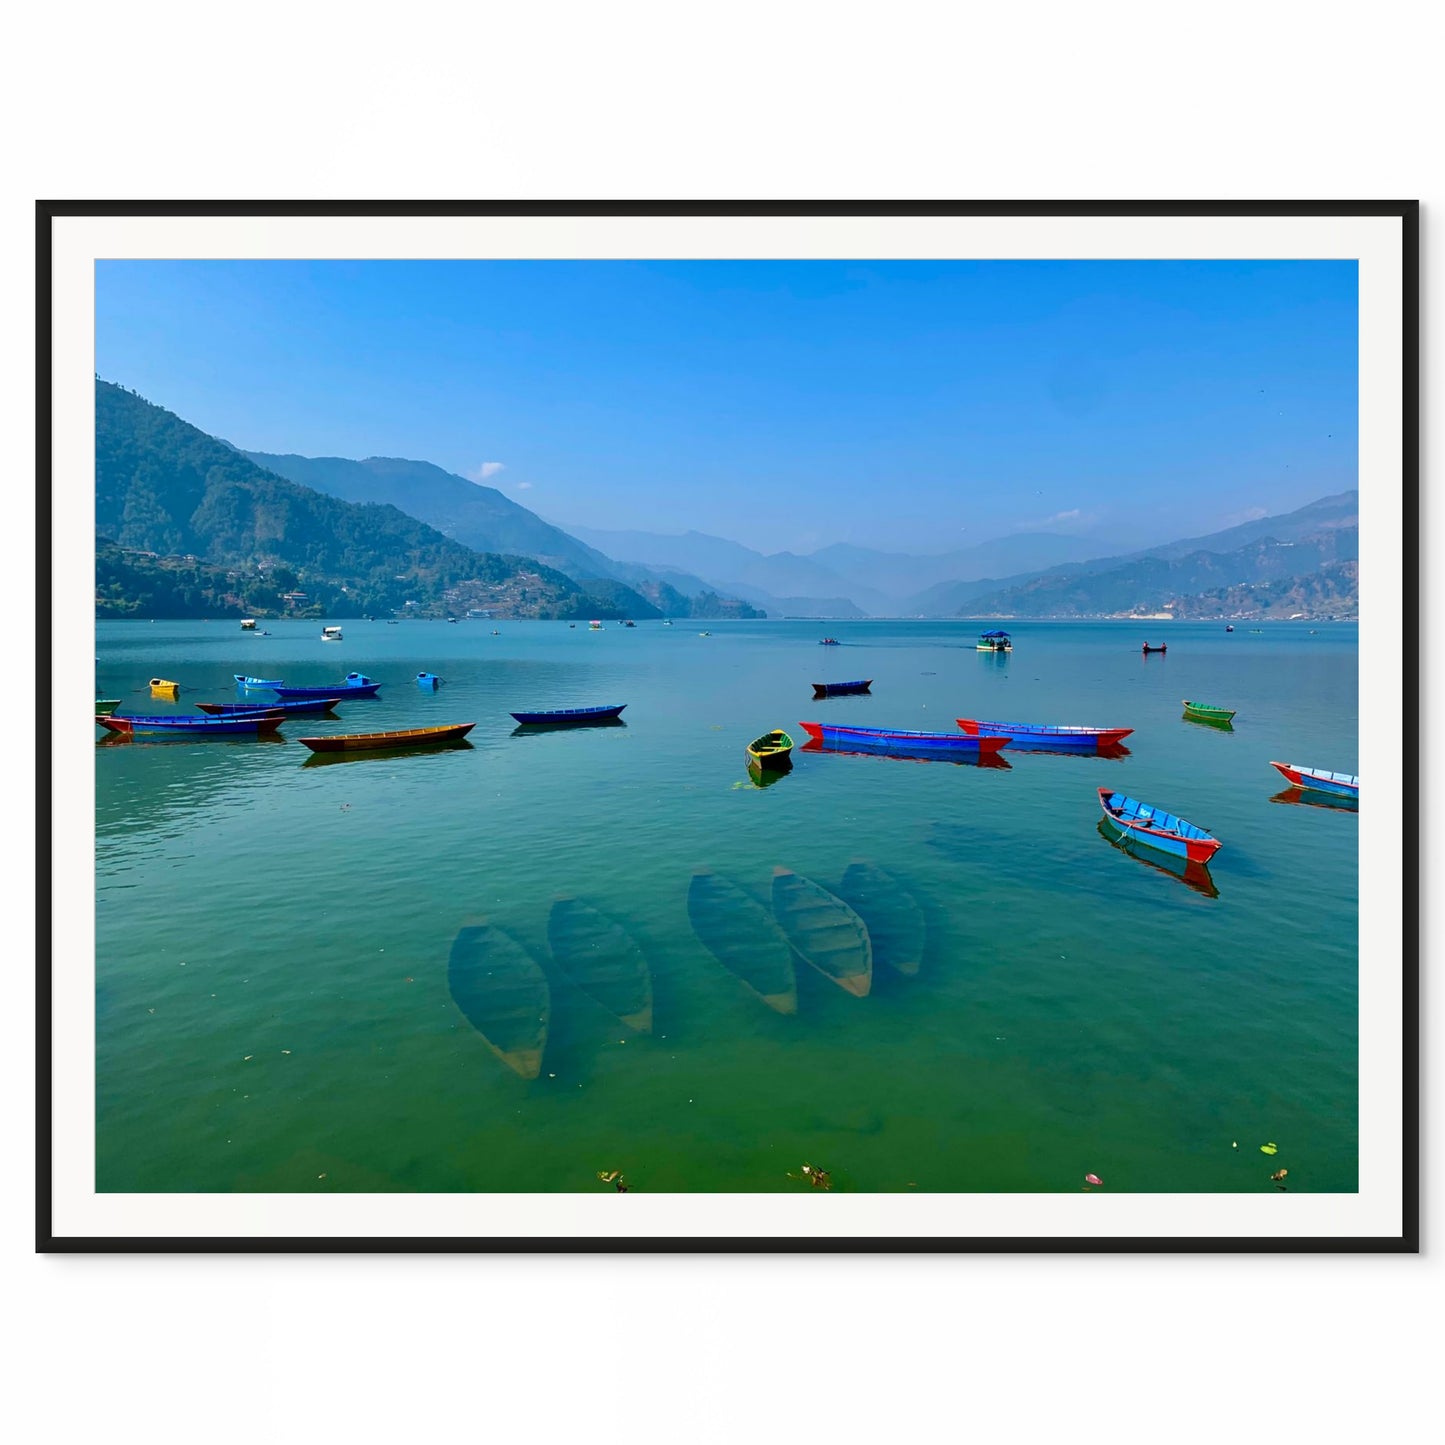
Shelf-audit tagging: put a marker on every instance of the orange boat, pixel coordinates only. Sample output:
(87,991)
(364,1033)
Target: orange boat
(402,738)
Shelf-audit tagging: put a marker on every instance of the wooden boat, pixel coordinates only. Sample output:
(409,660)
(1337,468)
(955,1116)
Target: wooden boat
(841,689)
(503,993)
(164,688)
(898,740)
(1318,780)
(603,960)
(1038,736)
(398,738)
(1202,712)
(1129,820)
(568,716)
(771,751)
(243,681)
(745,938)
(305,708)
(824,931)
(355,685)
(1163,647)
(996,641)
(183,725)
(1195,876)
(104,706)
(893,916)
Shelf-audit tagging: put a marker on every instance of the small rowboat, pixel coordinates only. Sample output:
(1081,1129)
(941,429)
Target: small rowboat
(256,724)
(1064,738)
(893,916)
(503,993)
(824,931)
(400,738)
(104,706)
(244,681)
(841,689)
(1204,713)
(425,680)
(896,739)
(568,716)
(772,750)
(1345,785)
(164,688)
(745,938)
(603,960)
(305,708)
(1127,819)
(355,685)
(1163,647)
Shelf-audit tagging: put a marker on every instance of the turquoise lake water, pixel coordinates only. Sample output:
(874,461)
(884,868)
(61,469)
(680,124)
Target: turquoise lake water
(273,935)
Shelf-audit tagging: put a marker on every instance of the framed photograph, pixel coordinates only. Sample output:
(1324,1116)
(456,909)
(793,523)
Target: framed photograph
(840,723)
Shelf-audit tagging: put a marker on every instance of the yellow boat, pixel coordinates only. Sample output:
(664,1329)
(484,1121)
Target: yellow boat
(161,687)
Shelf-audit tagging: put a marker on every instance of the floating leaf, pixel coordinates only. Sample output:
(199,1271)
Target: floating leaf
(1269,1148)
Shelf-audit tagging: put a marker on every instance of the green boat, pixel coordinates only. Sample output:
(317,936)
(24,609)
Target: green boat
(603,960)
(743,936)
(1204,713)
(104,706)
(894,917)
(824,931)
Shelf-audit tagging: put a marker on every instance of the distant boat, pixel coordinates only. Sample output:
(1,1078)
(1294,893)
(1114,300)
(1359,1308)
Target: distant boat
(355,685)
(841,689)
(893,916)
(594,626)
(305,708)
(1127,819)
(104,706)
(331,634)
(1257,630)
(569,716)
(183,725)
(248,624)
(629,624)
(996,641)
(829,642)
(1064,738)
(603,960)
(1345,785)
(888,739)
(428,680)
(667,622)
(1203,712)
(824,931)
(771,751)
(503,993)
(1163,647)
(397,738)
(242,681)
(1229,628)
(704,634)
(745,938)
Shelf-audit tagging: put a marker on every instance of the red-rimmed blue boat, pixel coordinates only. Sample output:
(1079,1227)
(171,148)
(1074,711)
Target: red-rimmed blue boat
(1318,780)
(305,707)
(355,686)
(884,740)
(841,689)
(1064,738)
(568,716)
(1126,819)
(182,725)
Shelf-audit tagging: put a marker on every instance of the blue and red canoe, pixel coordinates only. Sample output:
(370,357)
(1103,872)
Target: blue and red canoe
(355,686)
(304,707)
(883,740)
(1054,739)
(1318,780)
(181,725)
(1127,820)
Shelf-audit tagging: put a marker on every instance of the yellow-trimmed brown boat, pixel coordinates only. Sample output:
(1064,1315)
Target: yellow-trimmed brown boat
(401,738)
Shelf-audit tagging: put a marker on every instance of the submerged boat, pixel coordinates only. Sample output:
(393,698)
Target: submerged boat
(1202,712)
(897,739)
(1063,738)
(503,993)
(894,918)
(1319,780)
(305,708)
(243,681)
(398,738)
(841,689)
(996,641)
(183,725)
(355,685)
(1129,820)
(745,938)
(104,706)
(824,931)
(771,751)
(603,960)
(568,716)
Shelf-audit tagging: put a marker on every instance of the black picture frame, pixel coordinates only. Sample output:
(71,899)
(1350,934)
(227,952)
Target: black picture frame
(1406,644)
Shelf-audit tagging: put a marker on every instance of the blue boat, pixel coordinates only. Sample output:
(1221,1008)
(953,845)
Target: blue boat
(1038,736)
(1320,780)
(569,716)
(181,725)
(885,740)
(841,689)
(1127,820)
(243,681)
(355,686)
(426,680)
(304,707)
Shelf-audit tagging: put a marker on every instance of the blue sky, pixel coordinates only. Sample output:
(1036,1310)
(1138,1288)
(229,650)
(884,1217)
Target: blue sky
(913,406)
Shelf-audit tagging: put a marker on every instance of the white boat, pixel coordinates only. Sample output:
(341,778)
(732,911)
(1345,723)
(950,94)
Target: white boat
(331,634)
(248,624)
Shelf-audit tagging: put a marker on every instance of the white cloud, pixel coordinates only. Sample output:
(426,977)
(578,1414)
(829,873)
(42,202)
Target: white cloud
(1060,518)
(523,486)
(486,469)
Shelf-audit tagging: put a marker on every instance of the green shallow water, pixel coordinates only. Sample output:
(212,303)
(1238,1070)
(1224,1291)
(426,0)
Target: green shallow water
(1077,1011)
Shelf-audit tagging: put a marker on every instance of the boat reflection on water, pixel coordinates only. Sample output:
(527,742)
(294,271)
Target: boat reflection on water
(1192,875)
(1215,725)
(1309,798)
(167,740)
(325,760)
(1116,751)
(910,755)
(761,777)
(539,730)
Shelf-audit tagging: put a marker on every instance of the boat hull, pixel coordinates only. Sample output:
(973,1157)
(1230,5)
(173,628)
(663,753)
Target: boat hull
(307,708)
(771,752)
(1043,737)
(603,960)
(894,918)
(399,738)
(569,716)
(745,938)
(842,689)
(1200,712)
(1139,824)
(503,993)
(301,694)
(824,931)
(199,727)
(885,740)
(1318,780)
(104,706)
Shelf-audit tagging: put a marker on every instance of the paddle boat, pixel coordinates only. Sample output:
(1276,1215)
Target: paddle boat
(398,738)
(569,716)
(256,724)
(258,682)
(773,750)
(841,689)
(1203,712)
(305,708)
(104,706)
(897,739)
(996,641)
(355,686)
(1319,780)
(1064,738)
(1127,819)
